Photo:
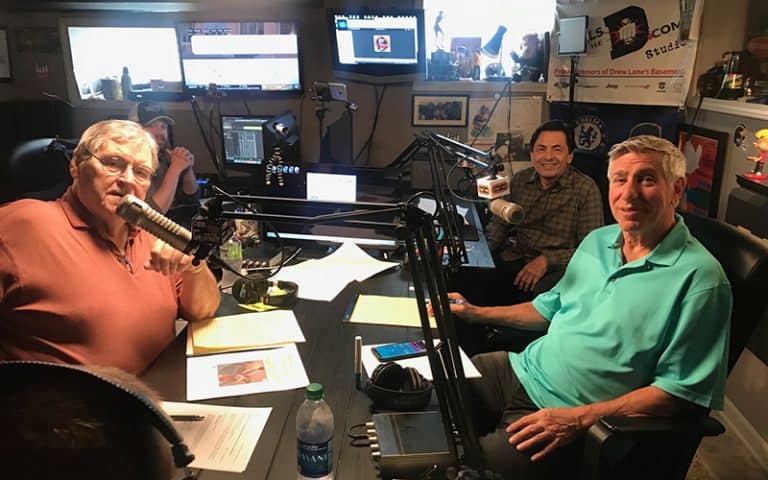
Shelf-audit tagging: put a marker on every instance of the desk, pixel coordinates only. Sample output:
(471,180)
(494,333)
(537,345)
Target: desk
(328,359)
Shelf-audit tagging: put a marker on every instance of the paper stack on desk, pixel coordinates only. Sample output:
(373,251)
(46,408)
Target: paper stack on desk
(271,362)
(348,263)
(221,438)
(245,331)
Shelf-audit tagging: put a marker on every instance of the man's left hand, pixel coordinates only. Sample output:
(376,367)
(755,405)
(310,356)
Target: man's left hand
(548,428)
(167,260)
(531,273)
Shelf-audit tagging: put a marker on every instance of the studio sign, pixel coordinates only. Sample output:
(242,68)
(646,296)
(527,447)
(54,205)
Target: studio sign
(629,31)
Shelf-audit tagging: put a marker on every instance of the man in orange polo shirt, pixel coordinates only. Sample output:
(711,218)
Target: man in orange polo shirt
(80,285)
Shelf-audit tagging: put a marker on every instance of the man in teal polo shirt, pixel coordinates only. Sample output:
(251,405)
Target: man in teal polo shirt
(638,325)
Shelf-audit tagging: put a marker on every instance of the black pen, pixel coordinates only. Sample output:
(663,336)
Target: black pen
(350,308)
(188,418)
(358,367)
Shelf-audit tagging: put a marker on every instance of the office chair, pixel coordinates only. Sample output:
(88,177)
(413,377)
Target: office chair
(37,168)
(656,447)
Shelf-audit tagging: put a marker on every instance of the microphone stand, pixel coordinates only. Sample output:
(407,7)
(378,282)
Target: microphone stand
(416,229)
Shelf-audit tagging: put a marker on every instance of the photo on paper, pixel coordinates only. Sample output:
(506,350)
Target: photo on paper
(241,373)
(439,110)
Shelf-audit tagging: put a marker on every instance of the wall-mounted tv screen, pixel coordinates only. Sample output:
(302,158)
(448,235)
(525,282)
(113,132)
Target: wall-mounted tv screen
(106,60)
(240,58)
(378,43)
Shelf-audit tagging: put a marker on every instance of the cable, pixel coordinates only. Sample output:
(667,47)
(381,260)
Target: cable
(369,142)
(211,150)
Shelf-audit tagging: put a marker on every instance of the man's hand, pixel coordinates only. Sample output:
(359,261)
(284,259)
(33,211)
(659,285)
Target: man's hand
(181,158)
(531,273)
(169,261)
(549,427)
(459,307)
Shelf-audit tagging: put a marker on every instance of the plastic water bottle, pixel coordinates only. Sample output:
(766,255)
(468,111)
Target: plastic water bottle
(314,436)
(232,253)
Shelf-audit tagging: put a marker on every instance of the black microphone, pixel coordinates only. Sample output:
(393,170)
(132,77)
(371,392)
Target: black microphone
(509,212)
(138,213)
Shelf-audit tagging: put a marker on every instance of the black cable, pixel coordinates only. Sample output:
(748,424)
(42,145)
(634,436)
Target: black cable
(211,151)
(247,108)
(369,141)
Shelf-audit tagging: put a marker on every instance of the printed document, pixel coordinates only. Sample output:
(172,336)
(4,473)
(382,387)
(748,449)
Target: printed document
(384,310)
(222,438)
(244,373)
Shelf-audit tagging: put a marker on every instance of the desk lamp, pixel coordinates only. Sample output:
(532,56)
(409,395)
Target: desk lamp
(492,49)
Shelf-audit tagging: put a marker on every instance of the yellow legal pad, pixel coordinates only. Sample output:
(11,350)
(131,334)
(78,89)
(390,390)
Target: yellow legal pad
(383,310)
(245,331)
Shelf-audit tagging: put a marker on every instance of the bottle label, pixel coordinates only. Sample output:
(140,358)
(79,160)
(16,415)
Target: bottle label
(315,460)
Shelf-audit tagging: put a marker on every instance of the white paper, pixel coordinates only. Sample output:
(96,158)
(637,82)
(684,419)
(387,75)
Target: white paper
(244,373)
(246,331)
(325,278)
(225,439)
(370,362)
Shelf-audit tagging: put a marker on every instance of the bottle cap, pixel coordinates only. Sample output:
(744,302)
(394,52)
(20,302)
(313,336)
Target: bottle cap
(314,391)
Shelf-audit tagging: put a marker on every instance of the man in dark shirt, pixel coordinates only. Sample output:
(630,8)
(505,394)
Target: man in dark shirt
(561,205)
(174,184)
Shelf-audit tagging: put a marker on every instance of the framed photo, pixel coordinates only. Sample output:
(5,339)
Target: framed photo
(439,110)
(5,59)
(704,151)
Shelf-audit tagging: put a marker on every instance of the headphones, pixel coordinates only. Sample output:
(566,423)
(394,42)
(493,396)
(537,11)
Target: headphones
(392,387)
(16,374)
(254,290)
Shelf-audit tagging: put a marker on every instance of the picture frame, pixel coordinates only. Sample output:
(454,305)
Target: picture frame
(704,150)
(439,110)
(5,59)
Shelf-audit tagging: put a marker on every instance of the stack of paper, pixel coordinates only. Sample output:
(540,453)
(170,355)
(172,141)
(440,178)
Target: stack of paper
(221,438)
(270,363)
(384,310)
(348,263)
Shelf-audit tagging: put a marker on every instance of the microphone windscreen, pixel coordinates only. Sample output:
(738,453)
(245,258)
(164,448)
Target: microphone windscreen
(140,214)
(509,212)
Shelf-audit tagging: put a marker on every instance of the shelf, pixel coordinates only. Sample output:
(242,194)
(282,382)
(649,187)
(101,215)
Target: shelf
(734,107)
(479,87)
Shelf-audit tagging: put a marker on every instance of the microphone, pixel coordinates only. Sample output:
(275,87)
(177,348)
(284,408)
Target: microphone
(138,213)
(509,212)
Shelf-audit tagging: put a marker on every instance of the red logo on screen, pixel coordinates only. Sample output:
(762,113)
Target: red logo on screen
(381,43)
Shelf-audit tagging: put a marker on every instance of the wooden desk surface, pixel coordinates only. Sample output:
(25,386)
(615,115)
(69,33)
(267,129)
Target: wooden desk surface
(328,358)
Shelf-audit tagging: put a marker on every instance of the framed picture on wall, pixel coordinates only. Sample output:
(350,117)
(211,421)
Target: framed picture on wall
(5,59)
(705,157)
(439,110)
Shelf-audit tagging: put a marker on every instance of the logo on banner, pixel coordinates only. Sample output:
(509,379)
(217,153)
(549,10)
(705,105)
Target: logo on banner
(381,44)
(590,133)
(628,30)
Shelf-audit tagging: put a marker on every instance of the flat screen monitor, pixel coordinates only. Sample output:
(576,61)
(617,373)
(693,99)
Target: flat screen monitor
(240,58)
(243,138)
(378,43)
(331,187)
(573,36)
(109,59)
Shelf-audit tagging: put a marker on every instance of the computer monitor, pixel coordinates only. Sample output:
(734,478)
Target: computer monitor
(383,44)
(243,137)
(331,187)
(257,58)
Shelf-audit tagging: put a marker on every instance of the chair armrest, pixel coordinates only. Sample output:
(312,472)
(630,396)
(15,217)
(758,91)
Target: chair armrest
(611,439)
(703,426)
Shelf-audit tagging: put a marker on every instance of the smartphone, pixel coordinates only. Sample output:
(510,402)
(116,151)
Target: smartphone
(398,351)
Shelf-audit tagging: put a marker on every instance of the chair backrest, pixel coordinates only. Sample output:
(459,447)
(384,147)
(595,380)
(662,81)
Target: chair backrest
(744,259)
(38,168)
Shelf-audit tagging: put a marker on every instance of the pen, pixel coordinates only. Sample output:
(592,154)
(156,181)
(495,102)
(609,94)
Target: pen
(350,308)
(187,418)
(358,361)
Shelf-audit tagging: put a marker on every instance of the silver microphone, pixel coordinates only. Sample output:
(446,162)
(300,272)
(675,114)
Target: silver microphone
(509,212)
(138,213)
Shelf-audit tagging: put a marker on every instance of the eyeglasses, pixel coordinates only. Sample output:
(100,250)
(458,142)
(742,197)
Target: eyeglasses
(116,166)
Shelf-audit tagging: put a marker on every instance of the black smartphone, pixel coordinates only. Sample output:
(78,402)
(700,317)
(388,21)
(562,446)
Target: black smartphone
(398,351)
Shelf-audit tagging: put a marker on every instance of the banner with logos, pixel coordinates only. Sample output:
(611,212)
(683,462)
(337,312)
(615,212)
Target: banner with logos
(640,54)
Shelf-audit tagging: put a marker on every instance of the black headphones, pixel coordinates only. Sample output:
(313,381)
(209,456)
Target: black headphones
(17,373)
(392,387)
(255,290)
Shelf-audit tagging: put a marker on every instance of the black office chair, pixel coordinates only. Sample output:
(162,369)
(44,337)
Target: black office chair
(654,447)
(39,169)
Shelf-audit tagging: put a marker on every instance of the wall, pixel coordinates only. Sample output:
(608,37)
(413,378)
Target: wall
(747,386)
